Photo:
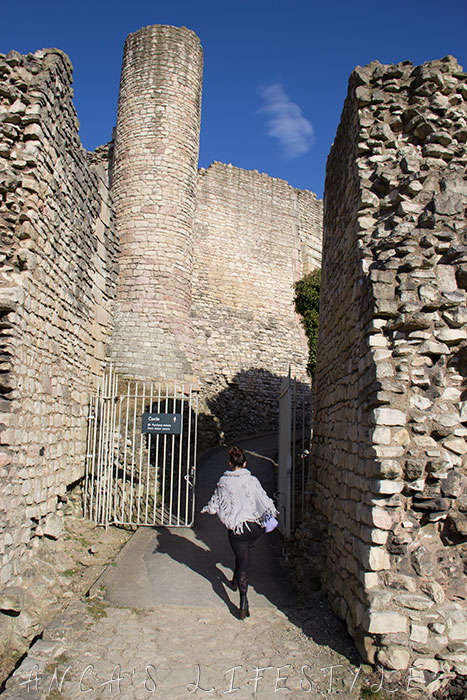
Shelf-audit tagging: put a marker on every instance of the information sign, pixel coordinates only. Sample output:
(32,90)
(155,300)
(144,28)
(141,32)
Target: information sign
(165,423)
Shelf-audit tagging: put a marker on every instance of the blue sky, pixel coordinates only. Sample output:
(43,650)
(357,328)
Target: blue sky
(275,71)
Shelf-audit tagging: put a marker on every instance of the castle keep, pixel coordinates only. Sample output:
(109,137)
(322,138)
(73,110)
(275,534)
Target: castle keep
(132,254)
(206,259)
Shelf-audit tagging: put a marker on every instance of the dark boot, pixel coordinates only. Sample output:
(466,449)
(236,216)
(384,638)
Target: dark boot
(244,610)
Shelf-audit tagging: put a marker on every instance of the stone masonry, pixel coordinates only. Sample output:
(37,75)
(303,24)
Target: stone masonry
(100,260)
(246,331)
(153,184)
(207,260)
(57,282)
(389,447)
(175,273)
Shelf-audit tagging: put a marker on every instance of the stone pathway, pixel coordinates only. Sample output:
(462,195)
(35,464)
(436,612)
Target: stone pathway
(97,650)
(56,573)
(162,623)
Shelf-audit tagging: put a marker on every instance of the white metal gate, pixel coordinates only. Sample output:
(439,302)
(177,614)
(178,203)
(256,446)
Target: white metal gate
(294,453)
(141,454)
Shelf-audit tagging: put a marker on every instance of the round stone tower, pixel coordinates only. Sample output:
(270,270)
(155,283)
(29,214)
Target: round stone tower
(153,187)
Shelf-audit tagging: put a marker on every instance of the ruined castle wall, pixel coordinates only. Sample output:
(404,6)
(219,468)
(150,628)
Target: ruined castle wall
(153,186)
(57,280)
(310,230)
(389,447)
(254,236)
(195,300)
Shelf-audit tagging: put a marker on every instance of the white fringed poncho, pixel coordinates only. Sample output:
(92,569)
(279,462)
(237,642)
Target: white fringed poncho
(239,498)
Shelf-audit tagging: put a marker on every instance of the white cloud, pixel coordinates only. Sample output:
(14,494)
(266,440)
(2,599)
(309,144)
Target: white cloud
(286,122)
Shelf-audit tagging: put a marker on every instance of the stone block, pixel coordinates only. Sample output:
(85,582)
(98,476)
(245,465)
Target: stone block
(401,437)
(396,658)
(451,336)
(445,204)
(11,600)
(385,622)
(373,558)
(456,444)
(379,599)
(53,526)
(431,665)
(389,451)
(432,347)
(389,416)
(423,561)
(382,435)
(5,573)
(419,634)
(413,601)
(381,518)
(369,580)
(374,535)
(456,621)
(388,486)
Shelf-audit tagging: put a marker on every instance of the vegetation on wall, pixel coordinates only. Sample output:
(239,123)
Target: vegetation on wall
(306,301)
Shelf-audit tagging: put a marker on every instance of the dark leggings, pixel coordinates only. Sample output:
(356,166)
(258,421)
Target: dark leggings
(242,545)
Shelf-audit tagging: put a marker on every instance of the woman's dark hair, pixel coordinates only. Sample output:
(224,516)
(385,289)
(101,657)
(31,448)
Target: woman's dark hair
(237,456)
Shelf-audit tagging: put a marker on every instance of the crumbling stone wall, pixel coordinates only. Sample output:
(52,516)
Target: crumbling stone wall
(389,448)
(58,269)
(254,237)
(57,281)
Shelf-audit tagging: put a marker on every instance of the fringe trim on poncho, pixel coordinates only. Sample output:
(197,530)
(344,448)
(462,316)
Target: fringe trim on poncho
(239,499)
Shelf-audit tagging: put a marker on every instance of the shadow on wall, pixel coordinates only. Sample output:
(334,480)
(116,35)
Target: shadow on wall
(245,405)
(386,488)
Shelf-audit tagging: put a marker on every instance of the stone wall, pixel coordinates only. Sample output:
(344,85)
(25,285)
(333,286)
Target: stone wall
(64,304)
(207,261)
(153,185)
(254,237)
(389,448)
(57,281)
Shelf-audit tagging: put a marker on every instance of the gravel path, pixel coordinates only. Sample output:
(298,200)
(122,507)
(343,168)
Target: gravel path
(163,623)
(179,652)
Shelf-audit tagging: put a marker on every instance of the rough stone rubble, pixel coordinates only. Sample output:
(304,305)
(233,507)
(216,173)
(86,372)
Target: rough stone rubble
(74,292)
(390,433)
(390,421)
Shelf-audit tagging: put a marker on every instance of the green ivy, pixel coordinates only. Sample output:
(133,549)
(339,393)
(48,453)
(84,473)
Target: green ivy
(307,306)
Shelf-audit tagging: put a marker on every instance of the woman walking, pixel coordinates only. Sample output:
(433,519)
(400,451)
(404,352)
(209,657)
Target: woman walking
(242,505)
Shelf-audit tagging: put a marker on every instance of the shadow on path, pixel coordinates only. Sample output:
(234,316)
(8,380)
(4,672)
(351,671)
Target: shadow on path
(197,559)
(192,567)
